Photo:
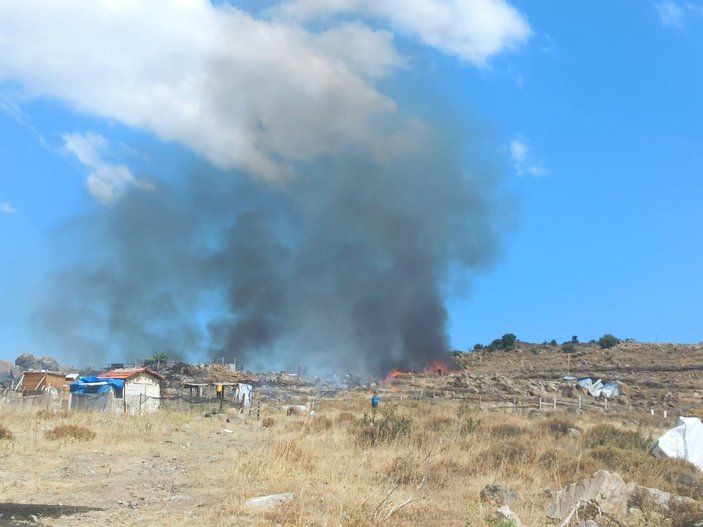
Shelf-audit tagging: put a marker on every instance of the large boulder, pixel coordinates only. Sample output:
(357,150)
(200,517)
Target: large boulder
(27,361)
(607,488)
(616,497)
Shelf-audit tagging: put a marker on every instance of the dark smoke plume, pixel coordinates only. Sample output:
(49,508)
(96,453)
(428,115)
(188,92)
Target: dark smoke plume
(344,268)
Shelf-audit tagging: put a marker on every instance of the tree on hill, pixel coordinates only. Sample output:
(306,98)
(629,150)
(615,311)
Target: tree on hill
(568,347)
(159,360)
(608,341)
(508,341)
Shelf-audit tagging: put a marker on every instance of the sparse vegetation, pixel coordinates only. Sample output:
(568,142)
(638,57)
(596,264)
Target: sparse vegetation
(5,434)
(568,347)
(70,432)
(608,341)
(607,435)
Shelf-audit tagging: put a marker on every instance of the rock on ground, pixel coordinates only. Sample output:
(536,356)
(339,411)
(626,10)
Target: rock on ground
(499,495)
(268,502)
(607,488)
(505,513)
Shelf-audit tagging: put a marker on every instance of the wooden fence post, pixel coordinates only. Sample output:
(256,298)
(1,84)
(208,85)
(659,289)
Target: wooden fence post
(555,402)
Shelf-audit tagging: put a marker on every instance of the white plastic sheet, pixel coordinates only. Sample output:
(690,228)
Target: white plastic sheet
(684,441)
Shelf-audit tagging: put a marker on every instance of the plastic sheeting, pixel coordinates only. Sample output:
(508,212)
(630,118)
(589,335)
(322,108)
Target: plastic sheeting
(242,394)
(93,385)
(684,441)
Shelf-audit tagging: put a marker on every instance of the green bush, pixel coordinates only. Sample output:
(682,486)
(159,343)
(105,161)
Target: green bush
(608,341)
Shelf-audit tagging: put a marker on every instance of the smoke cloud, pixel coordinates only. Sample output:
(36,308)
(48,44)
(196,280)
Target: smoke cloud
(345,268)
(326,223)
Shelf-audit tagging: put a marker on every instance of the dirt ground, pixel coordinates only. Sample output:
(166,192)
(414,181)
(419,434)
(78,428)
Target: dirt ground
(148,471)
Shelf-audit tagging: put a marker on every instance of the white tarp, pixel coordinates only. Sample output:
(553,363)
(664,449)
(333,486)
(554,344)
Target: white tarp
(684,441)
(242,394)
(597,388)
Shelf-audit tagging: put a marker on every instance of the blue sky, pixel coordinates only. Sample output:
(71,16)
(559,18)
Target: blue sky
(590,115)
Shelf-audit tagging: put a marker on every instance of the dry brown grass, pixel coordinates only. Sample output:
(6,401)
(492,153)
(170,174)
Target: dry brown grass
(5,433)
(344,469)
(70,433)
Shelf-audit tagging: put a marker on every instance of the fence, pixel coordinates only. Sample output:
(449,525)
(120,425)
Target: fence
(496,402)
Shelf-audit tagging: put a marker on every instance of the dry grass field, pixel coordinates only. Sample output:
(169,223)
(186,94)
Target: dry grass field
(415,463)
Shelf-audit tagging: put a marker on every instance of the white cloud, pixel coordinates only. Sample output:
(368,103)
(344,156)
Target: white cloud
(107,182)
(7,208)
(522,162)
(243,92)
(673,14)
(473,30)
(670,13)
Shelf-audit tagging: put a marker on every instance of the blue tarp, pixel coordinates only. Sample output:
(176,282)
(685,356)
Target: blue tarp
(88,385)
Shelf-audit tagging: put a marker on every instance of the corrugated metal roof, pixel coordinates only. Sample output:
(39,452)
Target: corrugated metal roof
(128,373)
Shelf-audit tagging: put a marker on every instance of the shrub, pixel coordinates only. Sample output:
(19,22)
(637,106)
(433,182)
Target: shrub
(5,433)
(390,428)
(558,426)
(608,341)
(508,341)
(439,423)
(684,514)
(404,471)
(268,422)
(568,347)
(608,435)
(321,423)
(50,414)
(70,432)
(685,477)
(469,425)
(507,430)
(346,417)
(511,453)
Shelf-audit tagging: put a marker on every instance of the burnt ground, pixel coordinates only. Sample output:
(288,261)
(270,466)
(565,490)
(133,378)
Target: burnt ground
(12,514)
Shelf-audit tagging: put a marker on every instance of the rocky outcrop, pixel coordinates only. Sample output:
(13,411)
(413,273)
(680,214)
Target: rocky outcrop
(607,488)
(27,361)
(617,498)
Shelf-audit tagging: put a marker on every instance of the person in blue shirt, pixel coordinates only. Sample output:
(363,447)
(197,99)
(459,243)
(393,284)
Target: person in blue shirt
(375,400)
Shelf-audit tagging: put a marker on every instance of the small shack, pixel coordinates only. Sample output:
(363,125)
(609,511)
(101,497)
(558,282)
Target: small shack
(97,394)
(37,382)
(142,389)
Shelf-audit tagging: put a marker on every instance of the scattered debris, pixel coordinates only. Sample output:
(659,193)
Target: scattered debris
(598,387)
